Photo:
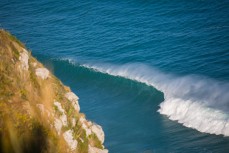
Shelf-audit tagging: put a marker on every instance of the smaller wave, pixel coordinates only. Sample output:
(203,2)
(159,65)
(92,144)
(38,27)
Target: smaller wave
(194,101)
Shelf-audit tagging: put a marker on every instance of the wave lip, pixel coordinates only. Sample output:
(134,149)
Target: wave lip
(196,102)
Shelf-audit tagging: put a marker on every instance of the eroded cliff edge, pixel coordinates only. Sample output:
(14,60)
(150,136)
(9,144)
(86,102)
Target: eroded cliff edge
(37,112)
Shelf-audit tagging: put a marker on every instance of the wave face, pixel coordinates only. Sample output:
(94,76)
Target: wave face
(195,101)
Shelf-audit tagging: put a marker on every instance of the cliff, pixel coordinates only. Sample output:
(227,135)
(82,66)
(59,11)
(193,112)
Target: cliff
(37,112)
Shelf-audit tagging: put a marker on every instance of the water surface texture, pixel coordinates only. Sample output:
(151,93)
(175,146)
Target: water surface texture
(154,74)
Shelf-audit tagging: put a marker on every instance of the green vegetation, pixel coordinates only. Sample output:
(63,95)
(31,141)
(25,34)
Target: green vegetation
(23,94)
(95,141)
(80,136)
(32,75)
(57,111)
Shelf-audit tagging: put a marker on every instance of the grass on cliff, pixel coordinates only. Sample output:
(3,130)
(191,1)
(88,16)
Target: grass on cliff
(22,129)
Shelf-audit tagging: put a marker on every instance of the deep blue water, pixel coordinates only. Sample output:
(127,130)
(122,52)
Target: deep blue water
(139,67)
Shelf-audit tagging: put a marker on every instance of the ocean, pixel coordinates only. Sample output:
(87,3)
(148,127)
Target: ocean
(153,74)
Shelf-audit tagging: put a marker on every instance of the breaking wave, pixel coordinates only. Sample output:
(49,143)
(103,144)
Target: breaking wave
(195,101)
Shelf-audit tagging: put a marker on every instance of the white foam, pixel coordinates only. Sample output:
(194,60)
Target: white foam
(195,101)
(196,115)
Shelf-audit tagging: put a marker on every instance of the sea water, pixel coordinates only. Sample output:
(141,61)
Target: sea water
(154,74)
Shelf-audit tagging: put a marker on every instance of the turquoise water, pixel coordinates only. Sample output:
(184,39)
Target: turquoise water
(154,74)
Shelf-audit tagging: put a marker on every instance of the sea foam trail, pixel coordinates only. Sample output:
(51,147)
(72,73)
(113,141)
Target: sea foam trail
(196,102)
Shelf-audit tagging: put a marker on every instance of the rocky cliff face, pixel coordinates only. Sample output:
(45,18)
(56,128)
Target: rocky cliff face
(37,112)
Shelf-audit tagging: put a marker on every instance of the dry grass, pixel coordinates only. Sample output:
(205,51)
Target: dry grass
(23,128)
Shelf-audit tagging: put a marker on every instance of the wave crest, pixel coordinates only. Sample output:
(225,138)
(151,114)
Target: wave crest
(196,102)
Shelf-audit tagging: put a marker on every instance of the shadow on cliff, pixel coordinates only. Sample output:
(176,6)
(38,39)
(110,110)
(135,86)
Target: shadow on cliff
(34,141)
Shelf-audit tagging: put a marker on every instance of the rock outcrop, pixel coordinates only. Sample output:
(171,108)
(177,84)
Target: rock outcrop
(42,72)
(37,112)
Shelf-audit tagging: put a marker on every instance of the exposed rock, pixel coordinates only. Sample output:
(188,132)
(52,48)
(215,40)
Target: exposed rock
(68,136)
(96,150)
(87,130)
(24,58)
(90,127)
(42,72)
(85,126)
(98,131)
(63,117)
(74,99)
(58,125)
